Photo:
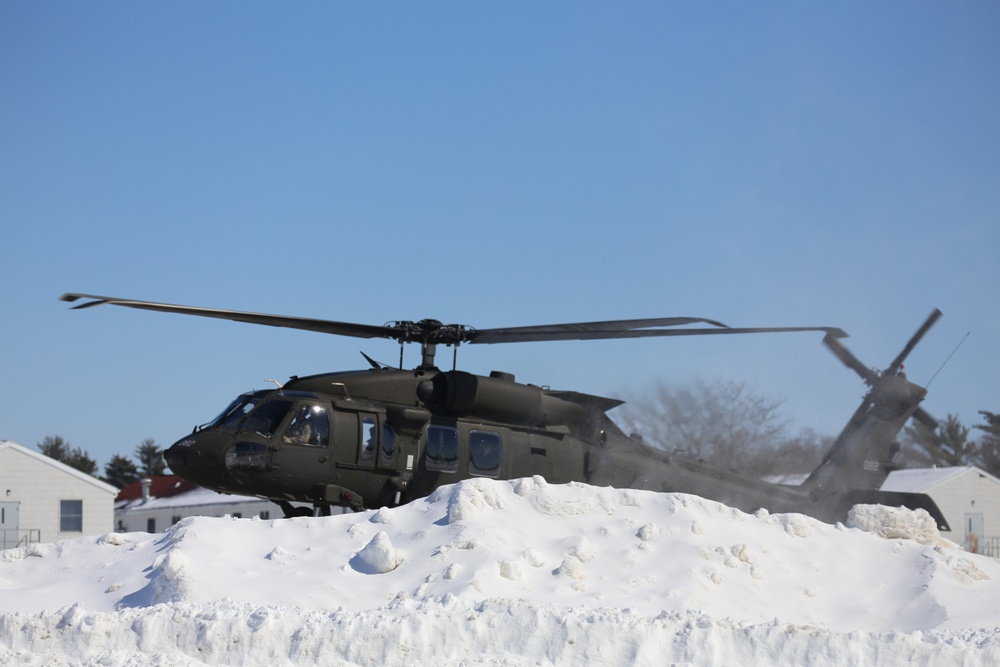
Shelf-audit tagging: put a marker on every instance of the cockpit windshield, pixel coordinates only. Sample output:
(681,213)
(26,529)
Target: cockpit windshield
(238,409)
(266,418)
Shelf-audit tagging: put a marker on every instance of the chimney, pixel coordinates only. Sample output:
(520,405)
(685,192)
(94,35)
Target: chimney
(146,483)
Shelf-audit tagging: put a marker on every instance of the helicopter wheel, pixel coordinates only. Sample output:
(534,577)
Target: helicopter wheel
(291,511)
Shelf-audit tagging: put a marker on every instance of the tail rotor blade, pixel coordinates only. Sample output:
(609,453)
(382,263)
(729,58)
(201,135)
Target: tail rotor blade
(898,361)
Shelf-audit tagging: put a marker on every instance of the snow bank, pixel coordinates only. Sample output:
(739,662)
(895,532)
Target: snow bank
(494,572)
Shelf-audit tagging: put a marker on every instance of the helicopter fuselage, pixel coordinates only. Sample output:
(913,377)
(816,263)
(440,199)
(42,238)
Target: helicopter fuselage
(380,437)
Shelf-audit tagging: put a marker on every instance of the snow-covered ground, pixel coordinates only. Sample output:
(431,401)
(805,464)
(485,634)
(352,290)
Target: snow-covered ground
(508,573)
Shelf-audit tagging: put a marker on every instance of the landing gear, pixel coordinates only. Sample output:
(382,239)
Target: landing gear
(318,509)
(291,511)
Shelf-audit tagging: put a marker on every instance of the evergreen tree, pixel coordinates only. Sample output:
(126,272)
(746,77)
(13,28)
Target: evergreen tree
(150,458)
(948,445)
(120,471)
(55,447)
(989,443)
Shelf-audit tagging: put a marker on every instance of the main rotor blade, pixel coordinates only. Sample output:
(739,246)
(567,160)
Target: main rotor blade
(432,331)
(898,361)
(607,330)
(306,324)
(849,360)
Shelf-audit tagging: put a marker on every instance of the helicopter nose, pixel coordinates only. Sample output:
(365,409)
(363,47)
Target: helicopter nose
(181,456)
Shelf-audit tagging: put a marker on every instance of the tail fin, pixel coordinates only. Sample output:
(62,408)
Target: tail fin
(861,457)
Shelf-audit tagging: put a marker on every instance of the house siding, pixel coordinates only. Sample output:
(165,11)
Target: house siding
(971,492)
(39,484)
(136,518)
(958,492)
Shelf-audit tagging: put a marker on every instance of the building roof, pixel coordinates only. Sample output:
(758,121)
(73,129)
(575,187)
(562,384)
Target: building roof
(922,480)
(160,486)
(62,467)
(172,491)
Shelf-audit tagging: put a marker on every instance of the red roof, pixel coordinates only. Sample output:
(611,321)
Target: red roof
(162,486)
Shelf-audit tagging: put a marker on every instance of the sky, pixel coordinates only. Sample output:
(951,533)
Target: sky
(508,573)
(492,164)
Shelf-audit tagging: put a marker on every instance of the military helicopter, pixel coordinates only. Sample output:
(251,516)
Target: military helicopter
(385,436)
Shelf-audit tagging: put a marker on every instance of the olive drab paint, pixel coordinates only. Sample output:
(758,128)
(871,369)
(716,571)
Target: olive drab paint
(385,436)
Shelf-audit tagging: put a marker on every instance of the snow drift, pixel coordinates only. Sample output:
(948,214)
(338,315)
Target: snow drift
(508,573)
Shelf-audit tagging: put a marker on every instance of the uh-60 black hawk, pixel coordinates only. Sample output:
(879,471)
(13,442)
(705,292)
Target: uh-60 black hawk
(385,436)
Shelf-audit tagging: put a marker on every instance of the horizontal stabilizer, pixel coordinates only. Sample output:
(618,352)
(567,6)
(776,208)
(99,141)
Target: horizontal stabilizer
(588,400)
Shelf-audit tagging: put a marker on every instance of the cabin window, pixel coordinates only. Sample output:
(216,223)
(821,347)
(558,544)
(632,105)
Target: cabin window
(150,525)
(70,516)
(388,444)
(484,453)
(266,419)
(442,448)
(309,426)
(369,439)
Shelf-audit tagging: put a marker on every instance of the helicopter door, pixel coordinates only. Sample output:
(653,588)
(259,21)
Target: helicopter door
(301,455)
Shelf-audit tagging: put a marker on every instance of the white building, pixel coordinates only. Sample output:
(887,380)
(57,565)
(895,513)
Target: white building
(154,504)
(968,497)
(43,500)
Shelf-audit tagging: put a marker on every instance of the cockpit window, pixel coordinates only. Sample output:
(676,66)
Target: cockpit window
(237,410)
(266,419)
(309,426)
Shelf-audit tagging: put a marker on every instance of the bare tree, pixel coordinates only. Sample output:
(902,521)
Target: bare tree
(726,423)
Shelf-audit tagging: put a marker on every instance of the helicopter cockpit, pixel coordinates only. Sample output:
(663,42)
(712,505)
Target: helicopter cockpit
(237,410)
(263,412)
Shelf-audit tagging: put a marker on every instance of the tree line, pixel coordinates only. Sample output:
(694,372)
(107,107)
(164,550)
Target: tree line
(731,425)
(120,471)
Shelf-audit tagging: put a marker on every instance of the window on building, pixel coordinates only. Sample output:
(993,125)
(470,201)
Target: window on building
(442,448)
(150,525)
(265,514)
(71,516)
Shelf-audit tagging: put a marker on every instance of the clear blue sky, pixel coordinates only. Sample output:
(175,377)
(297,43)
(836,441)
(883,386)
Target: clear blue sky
(492,164)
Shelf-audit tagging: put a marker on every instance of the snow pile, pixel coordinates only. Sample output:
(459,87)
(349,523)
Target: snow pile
(507,573)
(898,522)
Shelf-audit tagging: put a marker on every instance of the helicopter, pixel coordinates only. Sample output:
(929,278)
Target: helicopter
(385,436)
